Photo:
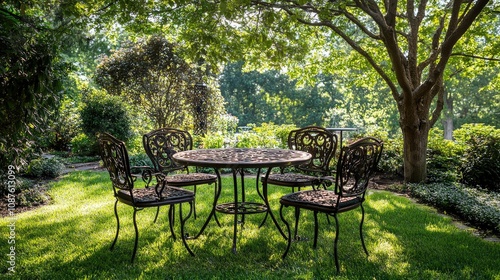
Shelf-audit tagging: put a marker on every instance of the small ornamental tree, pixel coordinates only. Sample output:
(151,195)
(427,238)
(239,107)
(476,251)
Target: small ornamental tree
(153,77)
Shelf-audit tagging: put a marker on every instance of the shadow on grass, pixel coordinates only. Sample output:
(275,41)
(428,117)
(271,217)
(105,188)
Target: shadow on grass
(71,240)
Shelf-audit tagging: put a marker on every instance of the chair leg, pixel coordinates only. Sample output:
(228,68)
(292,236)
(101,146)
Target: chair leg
(289,236)
(336,241)
(215,195)
(183,221)
(157,212)
(171,213)
(297,214)
(117,226)
(136,235)
(361,229)
(194,204)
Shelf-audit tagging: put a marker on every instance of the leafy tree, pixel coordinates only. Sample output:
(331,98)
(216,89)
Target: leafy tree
(30,81)
(408,44)
(154,77)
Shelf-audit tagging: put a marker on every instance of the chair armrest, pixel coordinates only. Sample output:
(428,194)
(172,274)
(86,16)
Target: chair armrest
(146,173)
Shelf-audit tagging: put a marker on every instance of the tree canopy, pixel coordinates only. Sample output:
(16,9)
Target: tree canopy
(154,78)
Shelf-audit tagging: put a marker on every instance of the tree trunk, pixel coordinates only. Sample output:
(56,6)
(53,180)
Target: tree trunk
(448,116)
(448,128)
(415,151)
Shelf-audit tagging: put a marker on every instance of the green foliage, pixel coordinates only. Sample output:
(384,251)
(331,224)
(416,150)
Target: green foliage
(30,82)
(45,168)
(443,158)
(212,141)
(479,208)
(82,145)
(265,136)
(65,126)
(105,113)
(481,163)
(154,77)
(31,193)
(271,96)
(140,159)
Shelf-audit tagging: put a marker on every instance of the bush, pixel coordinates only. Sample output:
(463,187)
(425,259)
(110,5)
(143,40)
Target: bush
(481,161)
(105,113)
(45,168)
(31,193)
(477,207)
(443,158)
(81,145)
(211,141)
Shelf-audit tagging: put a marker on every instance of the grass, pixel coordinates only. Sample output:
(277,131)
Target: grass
(70,239)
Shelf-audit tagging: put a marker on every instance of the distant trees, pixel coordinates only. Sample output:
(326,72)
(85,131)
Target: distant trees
(269,96)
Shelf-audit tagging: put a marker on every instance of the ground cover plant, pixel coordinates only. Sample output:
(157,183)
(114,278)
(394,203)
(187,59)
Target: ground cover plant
(70,239)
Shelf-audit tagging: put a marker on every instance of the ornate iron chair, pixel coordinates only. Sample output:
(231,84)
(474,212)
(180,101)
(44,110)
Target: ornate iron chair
(322,145)
(115,157)
(356,164)
(160,145)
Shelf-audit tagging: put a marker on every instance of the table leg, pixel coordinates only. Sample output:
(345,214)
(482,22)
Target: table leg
(235,226)
(216,198)
(266,202)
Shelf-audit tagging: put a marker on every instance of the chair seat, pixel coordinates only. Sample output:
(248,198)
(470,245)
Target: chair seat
(147,197)
(292,179)
(181,180)
(321,200)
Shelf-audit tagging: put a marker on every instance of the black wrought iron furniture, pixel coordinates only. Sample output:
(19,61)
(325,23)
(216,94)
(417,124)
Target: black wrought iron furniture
(237,160)
(356,164)
(160,145)
(115,157)
(322,145)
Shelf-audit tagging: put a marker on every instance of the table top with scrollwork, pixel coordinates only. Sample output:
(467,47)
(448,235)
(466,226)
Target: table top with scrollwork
(241,157)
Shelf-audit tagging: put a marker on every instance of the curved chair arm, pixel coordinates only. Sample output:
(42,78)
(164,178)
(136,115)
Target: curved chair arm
(146,173)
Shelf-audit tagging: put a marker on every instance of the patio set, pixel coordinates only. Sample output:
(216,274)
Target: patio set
(305,164)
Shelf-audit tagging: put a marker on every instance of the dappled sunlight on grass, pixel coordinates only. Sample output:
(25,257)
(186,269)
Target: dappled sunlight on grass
(70,239)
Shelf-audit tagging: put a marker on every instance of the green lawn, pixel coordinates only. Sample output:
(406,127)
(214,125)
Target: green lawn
(70,239)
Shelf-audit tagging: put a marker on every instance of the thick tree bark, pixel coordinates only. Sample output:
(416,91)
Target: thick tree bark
(415,151)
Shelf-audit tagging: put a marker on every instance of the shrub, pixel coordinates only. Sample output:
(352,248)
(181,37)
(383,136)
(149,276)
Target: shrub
(211,141)
(81,145)
(481,161)
(45,168)
(480,208)
(105,113)
(140,160)
(443,158)
(31,193)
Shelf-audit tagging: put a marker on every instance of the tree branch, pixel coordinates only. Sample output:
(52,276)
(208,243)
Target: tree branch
(476,57)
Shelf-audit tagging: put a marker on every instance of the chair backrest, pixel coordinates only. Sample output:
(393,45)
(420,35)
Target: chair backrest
(356,164)
(317,141)
(115,157)
(162,143)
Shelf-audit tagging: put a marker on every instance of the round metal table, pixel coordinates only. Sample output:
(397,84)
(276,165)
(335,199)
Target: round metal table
(238,159)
